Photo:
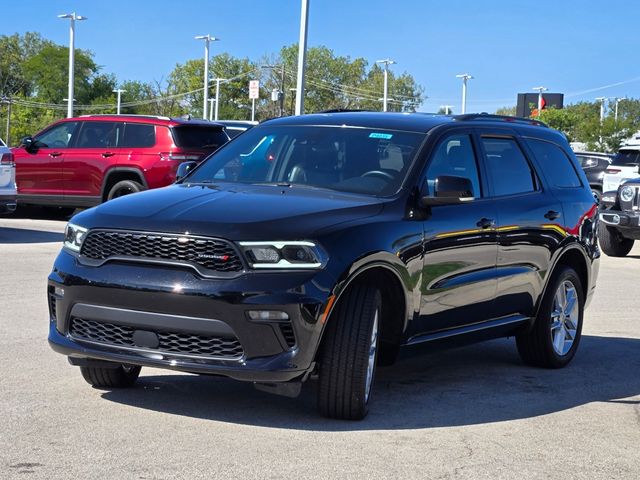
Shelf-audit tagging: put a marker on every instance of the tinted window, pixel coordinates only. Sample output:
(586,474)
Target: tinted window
(97,135)
(557,167)
(234,132)
(58,136)
(358,160)
(138,135)
(508,170)
(199,137)
(454,156)
(627,157)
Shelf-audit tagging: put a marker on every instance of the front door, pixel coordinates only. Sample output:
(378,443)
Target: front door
(460,249)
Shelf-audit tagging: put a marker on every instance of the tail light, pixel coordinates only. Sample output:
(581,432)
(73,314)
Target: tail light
(612,170)
(6,159)
(180,157)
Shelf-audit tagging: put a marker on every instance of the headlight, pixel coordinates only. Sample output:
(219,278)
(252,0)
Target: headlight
(283,254)
(74,235)
(626,194)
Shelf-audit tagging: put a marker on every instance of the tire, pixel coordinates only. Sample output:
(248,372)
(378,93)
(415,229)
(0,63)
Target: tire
(536,346)
(122,376)
(612,243)
(348,355)
(124,187)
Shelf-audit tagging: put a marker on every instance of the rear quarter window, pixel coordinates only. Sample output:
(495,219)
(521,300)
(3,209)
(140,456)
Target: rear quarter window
(138,135)
(556,165)
(191,136)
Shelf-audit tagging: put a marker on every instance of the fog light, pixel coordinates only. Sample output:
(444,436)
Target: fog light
(59,292)
(268,315)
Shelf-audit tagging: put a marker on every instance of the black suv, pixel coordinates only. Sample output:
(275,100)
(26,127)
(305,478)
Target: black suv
(594,164)
(320,244)
(620,219)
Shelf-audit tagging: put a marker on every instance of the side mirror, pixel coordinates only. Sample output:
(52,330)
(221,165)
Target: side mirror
(28,143)
(449,190)
(183,170)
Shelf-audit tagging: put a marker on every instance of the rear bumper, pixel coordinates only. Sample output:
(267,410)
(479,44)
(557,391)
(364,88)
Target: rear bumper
(158,300)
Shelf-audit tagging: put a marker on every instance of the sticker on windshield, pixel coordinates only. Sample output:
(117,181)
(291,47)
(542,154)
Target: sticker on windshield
(384,136)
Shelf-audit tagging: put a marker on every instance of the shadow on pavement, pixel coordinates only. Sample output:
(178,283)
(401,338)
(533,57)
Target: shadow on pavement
(479,384)
(22,235)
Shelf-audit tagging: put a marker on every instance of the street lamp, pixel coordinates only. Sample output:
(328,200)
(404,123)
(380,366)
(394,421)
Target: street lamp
(119,91)
(386,63)
(601,100)
(465,77)
(618,100)
(540,90)
(281,91)
(207,39)
(302,56)
(72,28)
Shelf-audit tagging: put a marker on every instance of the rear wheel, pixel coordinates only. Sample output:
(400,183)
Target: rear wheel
(553,340)
(349,353)
(120,377)
(612,243)
(124,187)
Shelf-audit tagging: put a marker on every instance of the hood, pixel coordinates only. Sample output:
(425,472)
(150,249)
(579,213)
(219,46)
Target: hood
(232,211)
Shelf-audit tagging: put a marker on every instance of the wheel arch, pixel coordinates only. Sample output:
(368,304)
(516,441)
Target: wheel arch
(117,174)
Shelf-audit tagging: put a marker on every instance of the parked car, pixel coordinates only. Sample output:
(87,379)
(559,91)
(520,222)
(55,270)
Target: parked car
(84,161)
(350,236)
(620,219)
(594,164)
(624,166)
(236,127)
(7,180)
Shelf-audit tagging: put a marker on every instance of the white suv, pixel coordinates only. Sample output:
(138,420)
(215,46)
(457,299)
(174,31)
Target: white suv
(7,180)
(623,167)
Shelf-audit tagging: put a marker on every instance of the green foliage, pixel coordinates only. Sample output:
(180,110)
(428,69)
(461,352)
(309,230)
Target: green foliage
(509,111)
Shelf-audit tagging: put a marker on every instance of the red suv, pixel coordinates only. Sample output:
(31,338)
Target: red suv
(84,161)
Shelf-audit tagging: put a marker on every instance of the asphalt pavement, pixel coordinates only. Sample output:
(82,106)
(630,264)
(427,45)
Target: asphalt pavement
(470,413)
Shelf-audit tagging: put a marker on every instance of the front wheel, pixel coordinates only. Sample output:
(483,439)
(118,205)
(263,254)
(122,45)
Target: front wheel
(553,340)
(348,354)
(122,376)
(612,243)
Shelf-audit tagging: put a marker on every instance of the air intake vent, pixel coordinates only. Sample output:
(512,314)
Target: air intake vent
(287,333)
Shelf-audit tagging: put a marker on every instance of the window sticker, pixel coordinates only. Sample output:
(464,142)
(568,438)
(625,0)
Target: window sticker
(384,136)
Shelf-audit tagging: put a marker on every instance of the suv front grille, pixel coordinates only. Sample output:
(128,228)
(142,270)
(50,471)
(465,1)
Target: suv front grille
(168,342)
(211,254)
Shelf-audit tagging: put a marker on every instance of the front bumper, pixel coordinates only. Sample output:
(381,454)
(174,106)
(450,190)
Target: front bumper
(155,299)
(626,222)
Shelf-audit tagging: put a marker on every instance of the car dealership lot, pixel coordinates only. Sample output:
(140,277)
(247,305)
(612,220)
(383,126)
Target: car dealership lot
(475,412)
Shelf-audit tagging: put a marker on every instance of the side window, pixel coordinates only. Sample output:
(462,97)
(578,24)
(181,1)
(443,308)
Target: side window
(556,165)
(58,136)
(454,156)
(507,168)
(97,135)
(138,135)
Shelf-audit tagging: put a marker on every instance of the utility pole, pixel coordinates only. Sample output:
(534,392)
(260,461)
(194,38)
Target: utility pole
(218,80)
(207,39)
(465,78)
(601,100)
(72,28)
(386,63)
(302,56)
(618,100)
(540,90)
(7,102)
(119,91)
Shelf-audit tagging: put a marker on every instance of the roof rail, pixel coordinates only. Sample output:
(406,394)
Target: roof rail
(504,118)
(343,110)
(158,117)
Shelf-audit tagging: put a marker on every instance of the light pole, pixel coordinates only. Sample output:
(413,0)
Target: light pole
(386,63)
(302,56)
(540,90)
(218,80)
(446,108)
(72,30)
(465,78)
(119,91)
(601,100)
(211,100)
(207,39)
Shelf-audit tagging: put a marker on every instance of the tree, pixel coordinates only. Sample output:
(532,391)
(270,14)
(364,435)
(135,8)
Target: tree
(509,111)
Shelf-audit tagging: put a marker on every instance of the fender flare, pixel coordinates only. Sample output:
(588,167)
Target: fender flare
(138,172)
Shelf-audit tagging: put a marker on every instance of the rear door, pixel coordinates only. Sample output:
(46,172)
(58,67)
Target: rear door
(95,150)
(529,221)
(459,273)
(39,171)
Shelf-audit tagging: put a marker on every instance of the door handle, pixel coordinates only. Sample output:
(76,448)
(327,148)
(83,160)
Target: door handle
(552,215)
(107,154)
(486,223)
(55,154)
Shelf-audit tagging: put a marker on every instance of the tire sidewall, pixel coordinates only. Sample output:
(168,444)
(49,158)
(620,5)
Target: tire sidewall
(131,184)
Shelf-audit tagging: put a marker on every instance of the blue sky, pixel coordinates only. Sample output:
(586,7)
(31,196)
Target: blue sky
(510,46)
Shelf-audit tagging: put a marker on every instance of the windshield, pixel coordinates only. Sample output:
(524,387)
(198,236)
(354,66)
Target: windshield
(626,157)
(191,136)
(357,160)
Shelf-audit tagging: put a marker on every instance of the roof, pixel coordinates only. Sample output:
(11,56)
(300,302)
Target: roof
(156,119)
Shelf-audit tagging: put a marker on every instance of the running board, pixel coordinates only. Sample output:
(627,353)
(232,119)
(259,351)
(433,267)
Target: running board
(476,327)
